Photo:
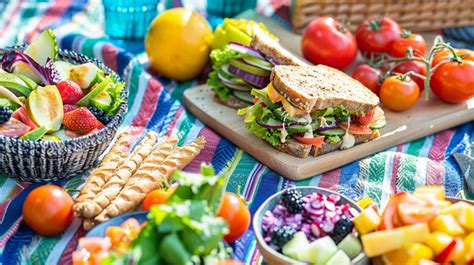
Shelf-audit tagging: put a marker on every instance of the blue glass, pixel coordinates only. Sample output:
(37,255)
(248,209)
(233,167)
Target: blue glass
(228,8)
(129,19)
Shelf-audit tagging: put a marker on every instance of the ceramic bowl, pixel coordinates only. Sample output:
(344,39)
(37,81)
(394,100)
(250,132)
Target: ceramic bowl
(274,257)
(37,161)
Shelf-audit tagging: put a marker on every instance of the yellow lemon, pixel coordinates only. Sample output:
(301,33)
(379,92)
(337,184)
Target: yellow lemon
(178,43)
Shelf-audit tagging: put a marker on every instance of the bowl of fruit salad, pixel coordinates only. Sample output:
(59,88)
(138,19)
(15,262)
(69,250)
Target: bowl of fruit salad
(59,110)
(308,225)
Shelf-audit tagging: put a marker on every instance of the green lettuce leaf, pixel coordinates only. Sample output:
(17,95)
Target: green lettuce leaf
(262,113)
(114,90)
(220,57)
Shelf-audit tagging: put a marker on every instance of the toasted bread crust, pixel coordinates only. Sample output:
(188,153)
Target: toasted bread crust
(232,102)
(321,87)
(272,49)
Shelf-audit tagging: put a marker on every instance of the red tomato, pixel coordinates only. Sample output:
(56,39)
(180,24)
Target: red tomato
(368,76)
(413,213)
(397,94)
(356,128)
(48,210)
(451,81)
(234,210)
(414,66)
(375,35)
(327,41)
(390,219)
(316,141)
(156,197)
(415,41)
(229,262)
(367,118)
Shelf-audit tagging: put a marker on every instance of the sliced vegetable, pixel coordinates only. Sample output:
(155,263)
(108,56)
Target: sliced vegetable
(13,128)
(94,92)
(14,83)
(233,84)
(367,118)
(45,107)
(30,83)
(47,74)
(378,124)
(333,132)
(102,101)
(315,141)
(86,75)
(274,124)
(244,49)
(8,95)
(52,138)
(244,96)
(284,117)
(256,80)
(273,95)
(4,102)
(238,63)
(64,69)
(35,134)
(356,128)
(327,123)
(262,95)
(258,63)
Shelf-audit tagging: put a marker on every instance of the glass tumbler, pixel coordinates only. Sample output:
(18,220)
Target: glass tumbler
(129,19)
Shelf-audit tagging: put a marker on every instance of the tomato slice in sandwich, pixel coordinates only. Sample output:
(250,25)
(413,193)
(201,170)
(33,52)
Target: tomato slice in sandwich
(355,128)
(316,141)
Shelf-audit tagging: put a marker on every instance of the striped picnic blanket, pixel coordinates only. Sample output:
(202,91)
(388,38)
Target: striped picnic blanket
(154,104)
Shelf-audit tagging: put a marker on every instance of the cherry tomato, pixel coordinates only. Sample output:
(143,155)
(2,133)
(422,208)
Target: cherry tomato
(452,81)
(229,262)
(413,213)
(367,118)
(234,210)
(355,128)
(48,210)
(156,197)
(416,42)
(414,66)
(327,41)
(316,141)
(375,35)
(368,76)
(397,94)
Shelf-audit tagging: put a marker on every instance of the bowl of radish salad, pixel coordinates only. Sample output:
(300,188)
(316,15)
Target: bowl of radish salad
(59,110)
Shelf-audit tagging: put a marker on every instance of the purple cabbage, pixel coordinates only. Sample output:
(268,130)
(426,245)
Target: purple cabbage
(48,73)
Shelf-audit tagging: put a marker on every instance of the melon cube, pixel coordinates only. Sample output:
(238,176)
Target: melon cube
(380,242)
(438,241)
(447,224)
(410,254)
(319,251)
(351,246)
(293,247)
(436,192)
(463,212)
(367,221)
(469,245)
(339,258)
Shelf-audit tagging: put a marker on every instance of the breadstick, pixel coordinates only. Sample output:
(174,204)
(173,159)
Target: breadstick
(112,160)
(88,224)
(91,208)
(149,177)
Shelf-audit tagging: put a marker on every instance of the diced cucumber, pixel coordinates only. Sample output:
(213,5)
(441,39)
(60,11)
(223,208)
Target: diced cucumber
(86,75)
(30,83)
(333,132)
(378,124)
(13,82)
(244,96)
(94,92)
(63,68)
(102,101)
(40,49)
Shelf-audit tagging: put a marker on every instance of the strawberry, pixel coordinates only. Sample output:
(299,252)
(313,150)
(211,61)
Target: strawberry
(70,92)
(81,120)
(67,108)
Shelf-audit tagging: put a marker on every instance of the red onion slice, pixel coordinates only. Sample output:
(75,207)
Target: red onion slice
(333,125)
(233,85)
(240,48)
(256,80)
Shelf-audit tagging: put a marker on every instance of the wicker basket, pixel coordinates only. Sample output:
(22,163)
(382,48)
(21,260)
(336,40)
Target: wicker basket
(35,161)
(414,15)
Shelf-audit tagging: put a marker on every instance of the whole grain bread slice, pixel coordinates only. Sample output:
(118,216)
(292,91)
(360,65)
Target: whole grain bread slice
(272,49)
(320,87)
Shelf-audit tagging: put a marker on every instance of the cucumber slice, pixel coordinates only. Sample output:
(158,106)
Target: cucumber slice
(40,49)
(283,116)
(13,82)
(258,63)
(35,134)
(244,96)
(378,124)
(7,94)
(5,102)
(28,81)
(102,101)
(95,91)
(333,132)
(297,129)
(52,138)
(249,68)
(63,68)
(86,75)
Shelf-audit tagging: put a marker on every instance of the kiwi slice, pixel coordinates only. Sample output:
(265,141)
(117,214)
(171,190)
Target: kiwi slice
(249,68)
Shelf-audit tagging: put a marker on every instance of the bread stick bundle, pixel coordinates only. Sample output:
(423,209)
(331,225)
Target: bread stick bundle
(92,207)
(148,177)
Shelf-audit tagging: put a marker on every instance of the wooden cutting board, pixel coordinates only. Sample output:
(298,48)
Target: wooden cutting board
(425,118)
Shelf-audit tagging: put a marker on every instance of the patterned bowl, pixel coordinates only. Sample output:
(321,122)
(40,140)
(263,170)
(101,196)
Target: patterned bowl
(274,257)
(34,161)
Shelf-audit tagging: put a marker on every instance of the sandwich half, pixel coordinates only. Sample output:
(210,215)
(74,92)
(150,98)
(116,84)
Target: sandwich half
(313,110)
(237,68)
